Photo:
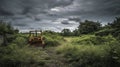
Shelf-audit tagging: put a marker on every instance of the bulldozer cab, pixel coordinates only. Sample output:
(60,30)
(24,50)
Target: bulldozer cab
(36,39)
(35,33)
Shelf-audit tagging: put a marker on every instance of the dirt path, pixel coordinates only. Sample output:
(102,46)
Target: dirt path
(56,60)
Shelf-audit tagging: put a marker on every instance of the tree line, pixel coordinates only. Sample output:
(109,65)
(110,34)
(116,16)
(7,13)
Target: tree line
(86,27)
(89,27)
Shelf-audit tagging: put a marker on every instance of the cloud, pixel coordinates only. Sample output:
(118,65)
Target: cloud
(47,14)
(3,12)
(90,7)
(31,6)
(65,22)
(74,18)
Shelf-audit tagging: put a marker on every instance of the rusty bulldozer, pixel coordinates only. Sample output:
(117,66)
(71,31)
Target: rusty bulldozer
(36,39)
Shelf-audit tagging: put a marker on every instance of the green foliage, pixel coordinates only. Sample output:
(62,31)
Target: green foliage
(7,32)
(5,28)
(115,23)
(89,27)
(92,40)
(104,32)
(116,51)
(84,56)
(20,41)
(76,32)
(103,53)
(99,50)
(115,26)
(53,39)
(66,32)
(24,56)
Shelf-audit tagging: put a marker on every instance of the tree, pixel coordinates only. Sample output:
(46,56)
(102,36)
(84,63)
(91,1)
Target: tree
(66,32)
(116,26)
(16,31)
(5,28)
(88,27)
(76,32)
(116,23)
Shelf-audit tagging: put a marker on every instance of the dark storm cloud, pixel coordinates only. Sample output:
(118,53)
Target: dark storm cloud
(69,7)
(108,7)
(3,12)
(66,22)
(96,10)
(20,24)
(77,19)
(94,7)
(30,6)
(10,7)
(43,14)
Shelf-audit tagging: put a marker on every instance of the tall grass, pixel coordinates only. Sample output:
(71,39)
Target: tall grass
(19,54)
(53,39)
(105,54)
(13,54)
(84,55)
(93,40)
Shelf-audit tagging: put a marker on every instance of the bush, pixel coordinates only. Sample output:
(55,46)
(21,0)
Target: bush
(93,40)
(104,32)
(84,56)
(20,41)
(26,56)
(53,40)
(91,51)
(66,32)
(87,27)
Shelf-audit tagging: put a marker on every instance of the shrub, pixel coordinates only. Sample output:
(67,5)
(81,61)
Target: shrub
(84,56)
(87,27)
(53,40)
(66,32)
(104,32)
(20,41)
(26,56)
(93,40)
(97,52)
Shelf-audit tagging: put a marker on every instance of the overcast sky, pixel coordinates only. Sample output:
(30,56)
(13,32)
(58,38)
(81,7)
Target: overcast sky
(57,14)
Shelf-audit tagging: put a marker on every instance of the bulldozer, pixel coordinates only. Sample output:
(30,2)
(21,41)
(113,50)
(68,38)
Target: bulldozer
(36,39)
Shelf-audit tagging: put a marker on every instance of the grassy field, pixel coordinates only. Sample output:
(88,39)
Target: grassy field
(91,45)
(81,51)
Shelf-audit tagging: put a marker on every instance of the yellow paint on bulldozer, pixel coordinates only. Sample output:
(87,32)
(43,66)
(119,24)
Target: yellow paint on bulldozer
(36,39)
